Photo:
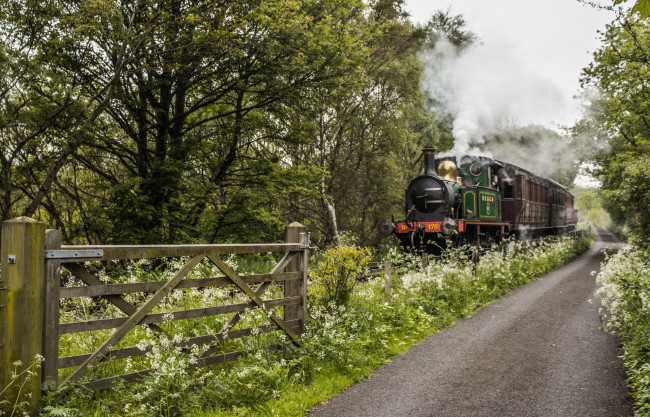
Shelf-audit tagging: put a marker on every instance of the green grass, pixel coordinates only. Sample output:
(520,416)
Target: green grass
(327,382)
(297,402)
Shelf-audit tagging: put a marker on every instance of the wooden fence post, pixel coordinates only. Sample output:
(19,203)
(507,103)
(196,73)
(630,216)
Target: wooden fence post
(425,261)
(51,311)
(474,260)
(297,233)
(22,297)
(388,280)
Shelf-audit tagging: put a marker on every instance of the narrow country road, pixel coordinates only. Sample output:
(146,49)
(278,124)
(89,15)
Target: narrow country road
(538,352)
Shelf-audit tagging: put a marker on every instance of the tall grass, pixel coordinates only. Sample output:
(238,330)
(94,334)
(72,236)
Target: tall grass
(14,397)
(625,292)
(346,338)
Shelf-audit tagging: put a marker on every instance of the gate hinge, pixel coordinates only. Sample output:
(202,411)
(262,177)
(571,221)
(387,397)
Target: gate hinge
(63,254)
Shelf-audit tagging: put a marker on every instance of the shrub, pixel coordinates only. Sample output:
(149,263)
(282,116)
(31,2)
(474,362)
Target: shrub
(626,295)
(337,273)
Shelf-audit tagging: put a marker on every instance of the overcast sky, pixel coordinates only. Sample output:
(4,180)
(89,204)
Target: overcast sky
(554,38)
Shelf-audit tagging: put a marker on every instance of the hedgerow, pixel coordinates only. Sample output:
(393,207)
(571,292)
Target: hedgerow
(625,293)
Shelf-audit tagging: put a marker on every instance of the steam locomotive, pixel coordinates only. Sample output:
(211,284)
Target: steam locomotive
(478,200)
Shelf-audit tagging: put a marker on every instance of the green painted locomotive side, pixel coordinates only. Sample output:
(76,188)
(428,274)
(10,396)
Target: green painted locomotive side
(484,204)
(489,202)
(469,202)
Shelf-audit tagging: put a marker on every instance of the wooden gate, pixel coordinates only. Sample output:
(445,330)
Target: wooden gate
(291,271)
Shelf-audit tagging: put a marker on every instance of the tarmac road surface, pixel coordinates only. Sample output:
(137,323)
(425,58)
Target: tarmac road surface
(537,352)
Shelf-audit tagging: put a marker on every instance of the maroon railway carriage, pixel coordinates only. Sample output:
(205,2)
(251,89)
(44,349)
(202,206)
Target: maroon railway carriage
(534,205)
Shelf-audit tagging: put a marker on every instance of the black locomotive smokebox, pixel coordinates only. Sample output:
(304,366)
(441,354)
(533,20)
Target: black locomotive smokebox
(428,194)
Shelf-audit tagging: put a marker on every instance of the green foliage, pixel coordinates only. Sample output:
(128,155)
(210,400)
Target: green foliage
(156,122)
(363,134)
(445,25)
(621,72)
(589,203)
(453,287)
(337,273)
(168,390)
(626,295)
(640,6)
(628,192)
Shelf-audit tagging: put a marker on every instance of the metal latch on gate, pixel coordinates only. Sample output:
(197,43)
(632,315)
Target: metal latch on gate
(64,254)
(308,245)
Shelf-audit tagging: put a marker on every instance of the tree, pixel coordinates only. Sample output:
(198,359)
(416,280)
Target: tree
(621,73)
(640,6)
(186,120)
(450,27)
(361,135)
(47,109)
(588,202)
(187,141)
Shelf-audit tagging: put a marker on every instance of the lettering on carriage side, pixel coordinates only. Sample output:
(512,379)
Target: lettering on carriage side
(487,198)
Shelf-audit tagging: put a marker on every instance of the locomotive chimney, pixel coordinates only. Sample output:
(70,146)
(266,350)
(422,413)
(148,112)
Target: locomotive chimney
(429,161)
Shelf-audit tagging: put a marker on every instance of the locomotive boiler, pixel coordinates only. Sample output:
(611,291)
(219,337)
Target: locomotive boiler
(478,200)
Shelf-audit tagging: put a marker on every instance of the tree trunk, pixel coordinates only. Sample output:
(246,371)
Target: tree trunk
(331,217)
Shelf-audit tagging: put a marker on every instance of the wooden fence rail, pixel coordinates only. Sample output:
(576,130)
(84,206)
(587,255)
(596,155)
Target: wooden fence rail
(31,293)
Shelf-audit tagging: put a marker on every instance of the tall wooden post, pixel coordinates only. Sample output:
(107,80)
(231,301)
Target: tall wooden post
(22,297)
(51,311)
(297,233)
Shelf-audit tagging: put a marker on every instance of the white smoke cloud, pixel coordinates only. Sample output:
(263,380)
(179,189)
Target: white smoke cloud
(485,87)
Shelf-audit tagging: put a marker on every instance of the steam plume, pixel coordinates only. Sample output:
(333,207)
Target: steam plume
(486,88)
